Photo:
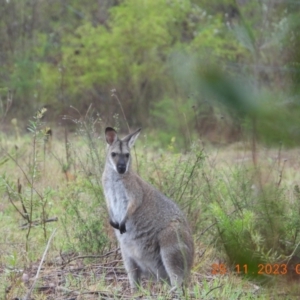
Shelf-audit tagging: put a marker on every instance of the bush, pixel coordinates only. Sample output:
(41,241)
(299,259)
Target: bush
(254,220)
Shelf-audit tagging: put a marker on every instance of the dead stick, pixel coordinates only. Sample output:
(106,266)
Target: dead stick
(40,266)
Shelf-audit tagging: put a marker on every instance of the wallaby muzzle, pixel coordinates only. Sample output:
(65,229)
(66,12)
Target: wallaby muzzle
(121,166)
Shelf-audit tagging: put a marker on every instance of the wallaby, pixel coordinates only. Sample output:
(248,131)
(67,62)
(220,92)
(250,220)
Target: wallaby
(154,236)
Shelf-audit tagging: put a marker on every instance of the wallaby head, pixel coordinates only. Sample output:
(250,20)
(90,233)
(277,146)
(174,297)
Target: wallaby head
(118,155)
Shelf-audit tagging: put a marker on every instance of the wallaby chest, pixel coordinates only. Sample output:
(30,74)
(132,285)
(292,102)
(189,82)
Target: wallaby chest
(116,195)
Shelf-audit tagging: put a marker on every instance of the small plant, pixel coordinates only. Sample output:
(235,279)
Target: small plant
(254,226)
(84,201)
(28,199)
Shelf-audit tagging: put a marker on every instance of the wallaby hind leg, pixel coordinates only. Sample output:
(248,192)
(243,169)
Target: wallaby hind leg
(174,254)
(173,263)
(134,272)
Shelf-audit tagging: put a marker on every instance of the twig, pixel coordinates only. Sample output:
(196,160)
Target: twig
(16,208)
(88,110)
(113,91)
(40,266)
(121,106)
(36,223)
(25,175)
(67,148)
(292,254)
(9,101)
(206,229)
(217,287)
(157,173)
(103,295)
(92,256)
(199,157)
(281,172)
(253,144)
(32,181)
(187,129)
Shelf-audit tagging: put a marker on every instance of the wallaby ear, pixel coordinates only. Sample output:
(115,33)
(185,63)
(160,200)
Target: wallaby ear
(110,135)
(130,138)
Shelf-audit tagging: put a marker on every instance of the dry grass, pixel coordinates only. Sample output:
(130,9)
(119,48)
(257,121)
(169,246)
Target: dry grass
(68,274)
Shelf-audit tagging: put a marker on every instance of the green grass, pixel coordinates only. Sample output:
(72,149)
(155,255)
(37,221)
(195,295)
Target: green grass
(226,198)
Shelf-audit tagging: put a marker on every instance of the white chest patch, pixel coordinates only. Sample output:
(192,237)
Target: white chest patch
(117,198)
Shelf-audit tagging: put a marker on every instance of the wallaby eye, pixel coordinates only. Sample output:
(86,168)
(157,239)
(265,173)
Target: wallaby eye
(113,154)
(127,155)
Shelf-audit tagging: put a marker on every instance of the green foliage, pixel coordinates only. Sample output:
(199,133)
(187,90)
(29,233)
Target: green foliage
(167,114)
(129,54)
(75,53)
(23,76)
(275,116)
(254,224)
(32,204)
(84,204)
(177,176)
(87,217)
(213,42)
(229,206)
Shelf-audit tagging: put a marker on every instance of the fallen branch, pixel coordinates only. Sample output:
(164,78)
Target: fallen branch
(104,295)
(38,222)
(92,256)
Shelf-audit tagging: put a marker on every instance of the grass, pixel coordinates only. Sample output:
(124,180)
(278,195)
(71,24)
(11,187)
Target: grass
(226,198)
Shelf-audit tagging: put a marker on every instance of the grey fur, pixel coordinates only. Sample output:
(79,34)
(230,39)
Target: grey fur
(154,236)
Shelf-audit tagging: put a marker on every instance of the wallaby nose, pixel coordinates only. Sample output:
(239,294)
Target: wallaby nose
(121,168)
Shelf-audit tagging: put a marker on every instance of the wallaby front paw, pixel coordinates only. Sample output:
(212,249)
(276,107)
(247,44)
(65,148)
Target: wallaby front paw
(122,228)
(114,224)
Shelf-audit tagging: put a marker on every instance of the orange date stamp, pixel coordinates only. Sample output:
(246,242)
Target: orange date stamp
(262,269)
